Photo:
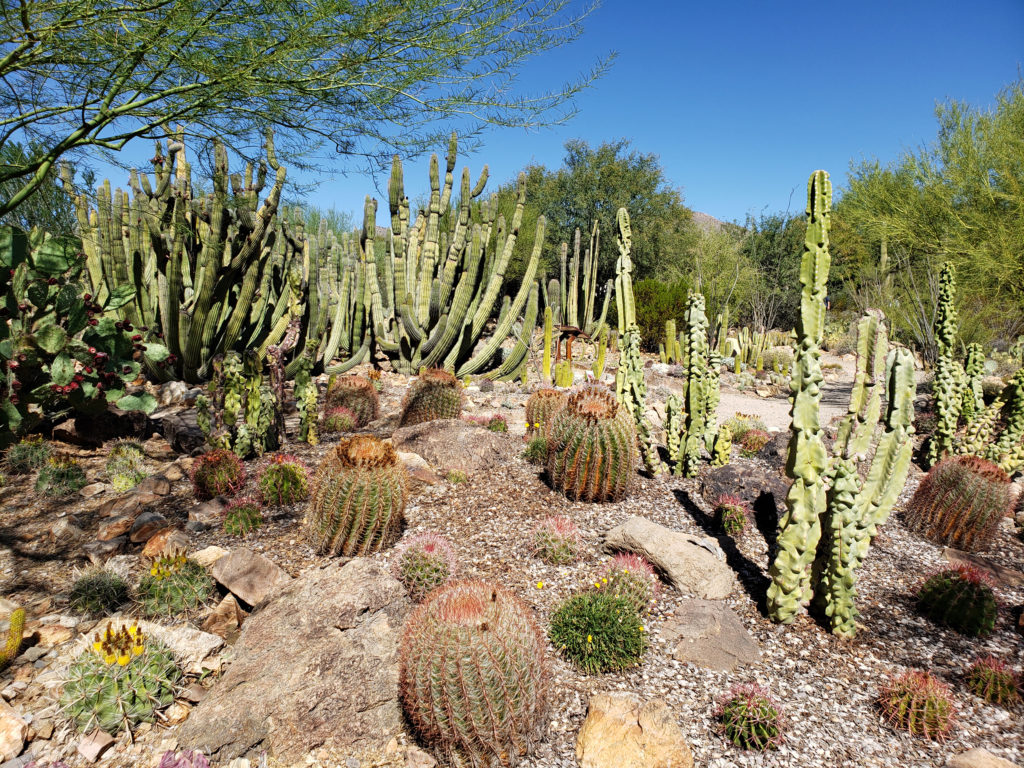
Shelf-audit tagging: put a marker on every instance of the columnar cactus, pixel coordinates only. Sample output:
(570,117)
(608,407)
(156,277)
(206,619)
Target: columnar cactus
(15,633)
(472,673)
(675,431)
(541,407)
(973,398)
(591,454)
(856,430)
(948,373)
(548,329)
(577,313)
(358,499)
(800,527)
(437,394)
(602,349)
(699,381)
(722,448)
(356,393)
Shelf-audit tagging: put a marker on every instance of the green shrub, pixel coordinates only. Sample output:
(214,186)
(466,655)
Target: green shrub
(424,563)
(125,465)
(750,719)
(174,584)
(27,455)
(60,477)
(284,480)
(99,592)
(599,632)
(656,302)
(557,540)
(242,516)
(457,477)
(536,451)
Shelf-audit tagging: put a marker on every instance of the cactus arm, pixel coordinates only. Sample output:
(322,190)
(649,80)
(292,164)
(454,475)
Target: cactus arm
(517,355)
(546,369)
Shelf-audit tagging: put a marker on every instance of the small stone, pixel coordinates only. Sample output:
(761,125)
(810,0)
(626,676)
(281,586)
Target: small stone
(174,473)
(114,527)
(248,575)
(43,728)
(49,635)
(155,484)
(417,758)
(93,489)
(158,448)
(13,730)
(707,633)
(208,555)
(194,693)
(166,541)
(208,513)
(66,531)
(424,476)
(763,392)
(99,551)
(92,746)
(226,619)
(176,713)
(620,732)
(978,758)
(33,654)
(146,526)
(172,393)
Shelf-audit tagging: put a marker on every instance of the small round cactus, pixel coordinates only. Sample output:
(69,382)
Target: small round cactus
(557,540)
(340,419)
(749,718)
(99,592)
(592,447)
(599,632)
(437,394)
(752,441)
(541,408)
(358,498)
(472,673)
(424,563)
(27,455)
(732,514)
(960,598)
(126,465)
(174,584)
(631,577)
(356,393)
(124,679)
(60,477)
(992,680)
(918,703)
(217,473)
(284,480)
(242,516)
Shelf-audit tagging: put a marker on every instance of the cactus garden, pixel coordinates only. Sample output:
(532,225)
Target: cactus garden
(478,476)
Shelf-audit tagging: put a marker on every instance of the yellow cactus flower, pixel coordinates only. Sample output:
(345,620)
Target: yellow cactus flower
(540,585)
(123,659)
(590,638)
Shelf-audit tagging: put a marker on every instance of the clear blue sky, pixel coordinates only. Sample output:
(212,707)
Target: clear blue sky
(742,100)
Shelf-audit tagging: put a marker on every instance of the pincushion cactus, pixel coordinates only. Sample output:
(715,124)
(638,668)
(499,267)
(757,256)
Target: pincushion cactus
(541,407)
(437,394)
(356,393)
(960,598)
(15,634)
(99,592)
(216,473)
(750,719)
(125,465)
(732,514)
(472,673)
(27,455)
(591,450)
(358,498)
(424,563)
(918,703)
(60,477)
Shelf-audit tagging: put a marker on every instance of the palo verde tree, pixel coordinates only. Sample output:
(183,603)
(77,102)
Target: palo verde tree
(369,77)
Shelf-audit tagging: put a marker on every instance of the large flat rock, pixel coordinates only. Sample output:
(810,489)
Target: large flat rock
(316,666)
(707,633)
(453,444)
(620,732)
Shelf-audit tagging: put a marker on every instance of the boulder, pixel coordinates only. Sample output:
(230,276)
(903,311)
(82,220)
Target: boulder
(620,732)
(316,666)
(13,730)
(208,514)
(114,527)
(1008,577)
(978,758)
(146,526)
(453,444)
(707,633)
(763,490)
(208,555)
(695,565)
(155,484)
(248,575)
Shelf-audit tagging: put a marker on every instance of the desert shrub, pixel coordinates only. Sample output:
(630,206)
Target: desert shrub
(125,465)
(536,451)
(557,540)
(777,359)
(749,718)
(753,441)
(174,584)
(599,632)
(631,577)
(742,423)
(216,473)
(961,599)
(339,419)
(284,480)
(99,592)
(60,477)
(732,514)
(457,477)
(656,302)
(992,680)
(423,563)
(918,703)
(242,516)
(27,455)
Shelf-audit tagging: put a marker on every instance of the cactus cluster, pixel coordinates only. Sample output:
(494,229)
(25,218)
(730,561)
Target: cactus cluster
(591,451)
(423,563)
(472,672)
(960,502)
(125,465)
(99,592)
(541,407)
(283,480)
(436,394)
(599,631)
(60,477)
(960,598)
(575,296)
(357,394)
(240,413)
(358,498)
(557,540)
(27,455)
(15,633)
(242,516)
(992,680)
(536,451)
(124,679)
(217,473)
(918,703)
(174,585)
(749,718)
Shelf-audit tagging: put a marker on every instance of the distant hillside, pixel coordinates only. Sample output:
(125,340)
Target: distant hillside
(707,222)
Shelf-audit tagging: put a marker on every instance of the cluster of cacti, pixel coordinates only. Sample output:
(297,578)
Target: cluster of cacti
(217,473)
(174,584)
(557,540)
(356,393)
(857,428)
(125,465)
(472,675)
(1005,448)
(437,394)
(991,679)
(15,633)
(99,592)
(748,348)
(124,679)
(423,563)
(541,407)
(671,350)
(732,514)
(960,598)
(284,480)
(749,718)
(960,502)
(339,419)
(574,297)
(494,422)
(599,631)
(60,477)
(242,516)
(240,413)
(918,703)
(633,578)
(591,446)
(27,455)
(564,376)
(358,499)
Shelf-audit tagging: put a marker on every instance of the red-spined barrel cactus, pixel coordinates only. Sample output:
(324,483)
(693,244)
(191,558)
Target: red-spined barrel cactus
(217,472)
(918,703)
(960,598)
(339,419)
(424,563)
(541,408)
(437,394)
(356,393)
(358,498)
(960,502)
(592,447)
(992,680)
(472,674)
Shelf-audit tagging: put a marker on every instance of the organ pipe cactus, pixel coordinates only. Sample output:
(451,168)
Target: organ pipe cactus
(698,385)
(548,327)
(800,527)
(576,312)
(973,398)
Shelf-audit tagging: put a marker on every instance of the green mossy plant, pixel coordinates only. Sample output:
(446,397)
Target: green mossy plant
(599,632)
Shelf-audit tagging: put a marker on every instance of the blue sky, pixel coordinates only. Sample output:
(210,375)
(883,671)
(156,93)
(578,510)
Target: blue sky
(742,100)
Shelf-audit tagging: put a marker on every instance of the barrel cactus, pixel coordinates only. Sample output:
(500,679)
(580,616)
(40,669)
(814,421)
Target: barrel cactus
(424,563)
(960,503)
(124,679)
(437,394)
(918,703)
(358,498)
(356,393)
(216,473)
(991,679)
(750,719)
(15,634)
(472,673)
(174,584)
(592,446)
(541,408)
(960,598)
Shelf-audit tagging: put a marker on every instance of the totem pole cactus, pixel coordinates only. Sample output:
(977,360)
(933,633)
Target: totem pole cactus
(857,427)
(800,527)
(241,413)
(602,349)
(972,397)
(722,447)
(675,431)
(948,375)
(698,383)
(546,371)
